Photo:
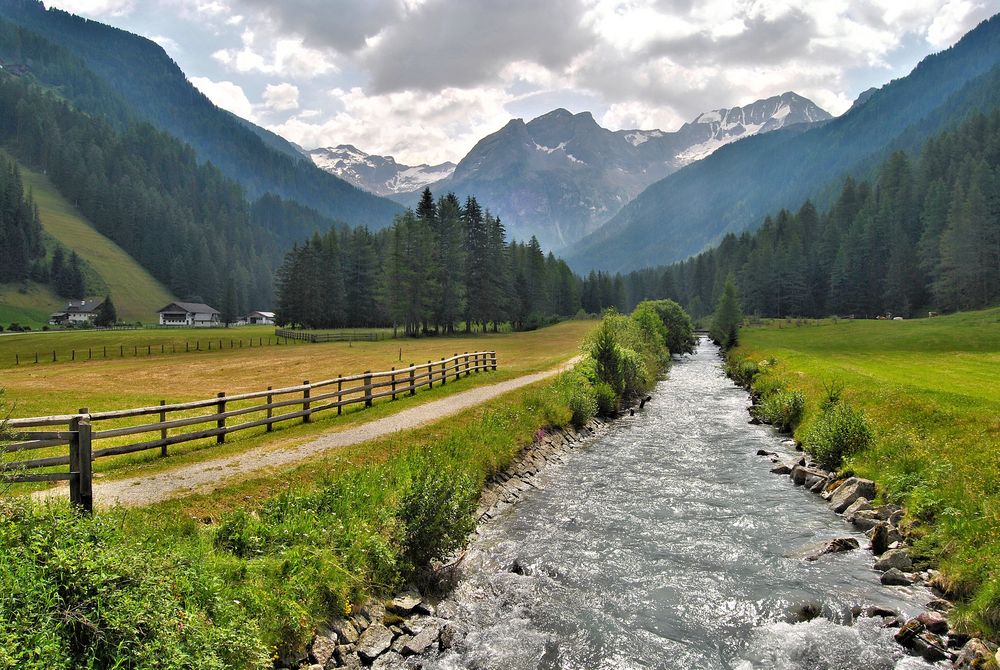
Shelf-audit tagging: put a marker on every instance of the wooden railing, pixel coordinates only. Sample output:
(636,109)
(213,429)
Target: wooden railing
(339,336)
(293,402)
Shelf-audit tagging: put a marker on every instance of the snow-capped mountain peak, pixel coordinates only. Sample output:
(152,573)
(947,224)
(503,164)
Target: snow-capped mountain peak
(381,175)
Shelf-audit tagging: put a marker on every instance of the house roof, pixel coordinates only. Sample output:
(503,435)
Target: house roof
(83,306)
(266,315)
(188,308)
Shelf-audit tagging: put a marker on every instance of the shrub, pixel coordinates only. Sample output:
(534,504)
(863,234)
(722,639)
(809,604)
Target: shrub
(607,399)
(436,513)
(839,432)
(782,409)
(582,404)
(79,592)
(741,370)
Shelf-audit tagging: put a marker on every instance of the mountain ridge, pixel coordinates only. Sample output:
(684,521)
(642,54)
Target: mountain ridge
(561,175)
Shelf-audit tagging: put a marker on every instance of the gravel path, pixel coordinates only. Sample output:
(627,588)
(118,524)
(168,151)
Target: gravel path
(207,475)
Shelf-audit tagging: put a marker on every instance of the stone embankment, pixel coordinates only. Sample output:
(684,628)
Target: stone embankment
(929,634)
(386,634)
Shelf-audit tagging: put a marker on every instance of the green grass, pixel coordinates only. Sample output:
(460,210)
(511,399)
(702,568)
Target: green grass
(136,294)
(931,388)
(27,304)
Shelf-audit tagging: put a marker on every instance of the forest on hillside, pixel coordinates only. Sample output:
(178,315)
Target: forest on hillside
(923,236)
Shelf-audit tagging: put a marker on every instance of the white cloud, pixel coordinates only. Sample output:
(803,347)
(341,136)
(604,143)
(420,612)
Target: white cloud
(414,127)
(284,56)
(225,94)
(281,97)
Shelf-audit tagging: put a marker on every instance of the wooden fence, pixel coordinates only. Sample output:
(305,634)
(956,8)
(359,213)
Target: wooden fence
(293,402)
(369,336)
(147,350)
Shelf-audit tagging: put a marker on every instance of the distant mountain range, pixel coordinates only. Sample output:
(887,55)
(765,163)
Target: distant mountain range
(380,175)
(735,187)
(562,175)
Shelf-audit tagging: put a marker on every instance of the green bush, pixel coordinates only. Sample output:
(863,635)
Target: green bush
(583,404)
(839,431)
(607,399)
(741,370)
(78,592)
(436,513)
(782,409)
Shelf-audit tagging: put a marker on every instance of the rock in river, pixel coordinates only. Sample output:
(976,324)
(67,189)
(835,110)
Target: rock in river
(831,547)
(894,558)
(895,577)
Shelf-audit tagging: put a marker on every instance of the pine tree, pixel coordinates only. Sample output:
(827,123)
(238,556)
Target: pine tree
(727,318)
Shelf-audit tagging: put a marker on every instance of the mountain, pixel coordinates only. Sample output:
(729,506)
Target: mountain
(735,187)
(141,74)
(562,175)
(380,175)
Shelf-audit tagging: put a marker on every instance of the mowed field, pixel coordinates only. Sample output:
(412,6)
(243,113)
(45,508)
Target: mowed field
(932,389)
(120,383)
(136,294)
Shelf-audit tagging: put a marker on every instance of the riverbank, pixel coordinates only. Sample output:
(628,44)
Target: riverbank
(929,390)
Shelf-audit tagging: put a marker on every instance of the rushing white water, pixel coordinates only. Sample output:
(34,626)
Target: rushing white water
(666,543)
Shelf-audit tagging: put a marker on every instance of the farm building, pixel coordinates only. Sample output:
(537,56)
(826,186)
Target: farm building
(76,312)
(260,318)
(189,314)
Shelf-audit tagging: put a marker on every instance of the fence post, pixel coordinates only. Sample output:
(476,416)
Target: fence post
(340,399)
(493,355)
(458,368)
(81,493)
(368,388)
(270,410)
(307,418)
(163,431)
(444,374)
(221,421)
(466,363)
(394,382)
(430,375)
(413,388)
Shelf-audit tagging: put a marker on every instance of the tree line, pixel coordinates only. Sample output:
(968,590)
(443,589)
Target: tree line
(922,235)
(439,267)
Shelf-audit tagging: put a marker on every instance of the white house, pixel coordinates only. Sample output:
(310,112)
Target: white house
(77,312)
(189,314)
(260,318)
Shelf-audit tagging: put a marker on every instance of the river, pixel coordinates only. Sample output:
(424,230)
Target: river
(666,543)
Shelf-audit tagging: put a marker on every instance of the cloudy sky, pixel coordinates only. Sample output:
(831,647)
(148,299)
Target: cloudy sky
(422,80)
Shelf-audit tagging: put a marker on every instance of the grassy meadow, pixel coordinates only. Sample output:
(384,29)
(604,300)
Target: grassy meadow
(118,383)
(136,294)
(931,389)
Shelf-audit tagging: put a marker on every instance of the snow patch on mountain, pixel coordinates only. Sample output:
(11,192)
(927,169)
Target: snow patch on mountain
(381,175)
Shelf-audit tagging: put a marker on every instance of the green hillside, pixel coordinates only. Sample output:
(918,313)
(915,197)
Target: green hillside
(137,295)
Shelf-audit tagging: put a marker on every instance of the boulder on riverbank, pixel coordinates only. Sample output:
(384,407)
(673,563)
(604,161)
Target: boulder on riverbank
(850,491)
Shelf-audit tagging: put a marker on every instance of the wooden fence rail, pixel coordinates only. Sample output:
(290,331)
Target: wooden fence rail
(295,402)
(370,336)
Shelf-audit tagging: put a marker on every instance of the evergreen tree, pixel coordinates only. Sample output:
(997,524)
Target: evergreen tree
(107,315)
(727,318)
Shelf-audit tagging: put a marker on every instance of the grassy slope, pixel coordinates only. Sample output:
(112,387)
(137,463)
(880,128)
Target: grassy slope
(57,388)
(932,389)
(137,295)
(27,305)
